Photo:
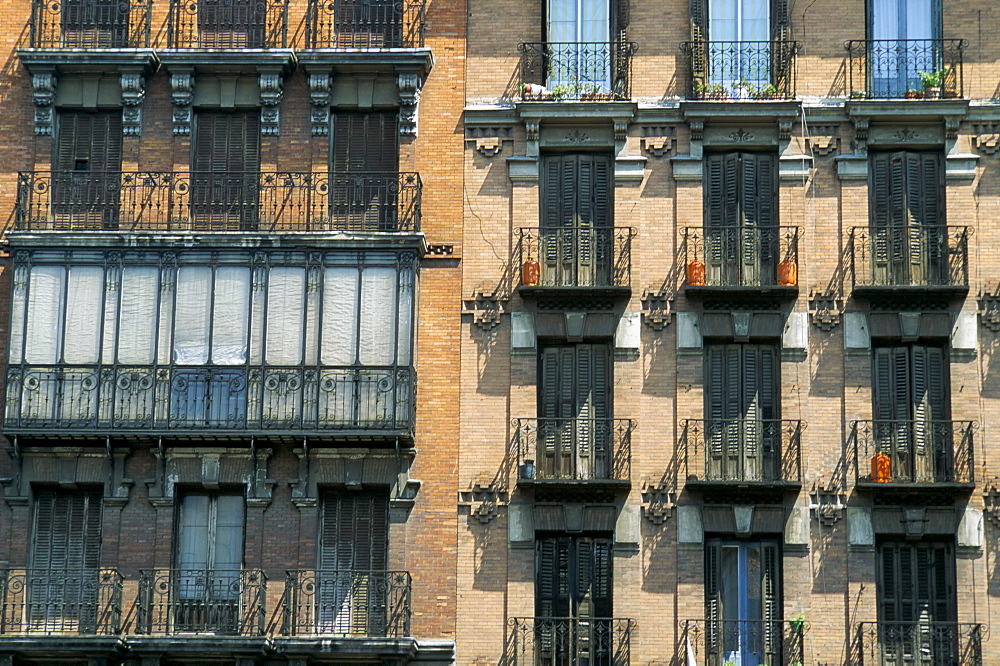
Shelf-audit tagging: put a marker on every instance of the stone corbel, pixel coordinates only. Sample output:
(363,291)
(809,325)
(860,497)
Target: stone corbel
(826,308)
(409,99)
(182,95)
(861,136)
(656,308)
(133,91)
(486,309)
(827,505)
(989,308)
(320,91)
(784,129)
(987,138)
(951,124)
(484,501)
(658,502)
(43,93)
(991,503)
(270,103)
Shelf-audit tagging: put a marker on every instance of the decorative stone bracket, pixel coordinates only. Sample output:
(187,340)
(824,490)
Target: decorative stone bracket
(824,140)
(270,102)
(826,308)
(656,308)
(133,93)
(991,502)
(484,501)
(989,308)
(182,95)
(827,504)
(658,502)
(487,309)
(410,84)
(43,93)
(69,467)
(489,140)
(211,468)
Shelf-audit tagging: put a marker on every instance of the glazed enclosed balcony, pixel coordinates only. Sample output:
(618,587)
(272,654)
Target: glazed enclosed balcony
(346,25)
(910,261)
(931,643)
(905,68)
(741,70)
(60,602)
(754,455)
(568,454)
(213,601)
(227,24)
(747,261)
(346,604)
(595,641)
(722,642)
(574,261)
(165,202)
(914,456)
(576,71)
(90,24)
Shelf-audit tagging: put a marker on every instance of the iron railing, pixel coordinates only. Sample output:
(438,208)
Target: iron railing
(580,449)
(721,642)
(741,70)
(61,601)
(227,24)
(742,450)
(916,451)
(178,201)
(174,601)
(90,24)
(151,399)
(577,256)
(562,641)
(365,24)
(347,603)
(922,643)
(598,71)
(743,256)
(910,256)
(892,68)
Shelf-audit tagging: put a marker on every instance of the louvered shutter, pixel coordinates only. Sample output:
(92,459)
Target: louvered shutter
(771,597)
(231,24)
(881,232)
(87,167)
(718,425)
(364,171)
(760,207)
(94,24)
(723,218)
(931,436)
(550,411)
(713,597)
(225,170)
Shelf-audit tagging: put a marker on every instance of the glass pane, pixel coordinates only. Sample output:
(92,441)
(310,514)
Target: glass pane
(232,310)
(194,285)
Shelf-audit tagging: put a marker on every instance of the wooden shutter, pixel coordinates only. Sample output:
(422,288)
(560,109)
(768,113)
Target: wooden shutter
(573,577)
(713,597)
(87,169)
(364,170)
(758,237)
(771,597)
(226,170)
(228,24)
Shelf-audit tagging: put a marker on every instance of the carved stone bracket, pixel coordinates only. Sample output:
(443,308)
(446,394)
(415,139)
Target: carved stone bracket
(697,129)
(784,129)
(861,135)
(987,138)
(824,140)
(989,308)
(621,129)
(486,309)
(43,92)
(827,504)
(484,500)
(133,91)
(531,129)
(826,308)
(320,89)
(991,503)
(951,124)
(409,99)
(489,140)
(182,94)
(658,502)
(270,101)
(656,308)
(658,141)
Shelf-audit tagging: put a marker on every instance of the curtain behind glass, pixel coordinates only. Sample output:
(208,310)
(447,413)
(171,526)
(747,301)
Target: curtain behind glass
(339,334)
(739,32)
(137,322)
(901,30)
(285,308)
(231,317)
(579,33)
(191,317)
(45,301)
(84,299)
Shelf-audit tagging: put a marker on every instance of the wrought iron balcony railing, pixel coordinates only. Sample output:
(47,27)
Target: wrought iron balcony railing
(187,399)
(90,24)
(914,451)
(721,642)
(81,602)
(742,256)
(741,70)
(742,450)
(573,449)
(575,256)
(578,71)
(177,201)
(594,641)
(910,256)
(227,24)
(347,603)
(174,601)
(365,24)
(925,643)
(905,68)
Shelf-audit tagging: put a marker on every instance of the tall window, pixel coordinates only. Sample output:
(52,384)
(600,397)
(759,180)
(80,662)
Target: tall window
(739,32)
(225,170)
(365,171)
(902,32)
(95,24)
(87,169)
(579,32)
(231,24)
(367,24)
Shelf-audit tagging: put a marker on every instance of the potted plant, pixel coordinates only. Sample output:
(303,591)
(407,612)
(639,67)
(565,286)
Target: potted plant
(913,93)
(711,91)
(858,94)
(766,91)
(743,89)
(932,81)
(797,623)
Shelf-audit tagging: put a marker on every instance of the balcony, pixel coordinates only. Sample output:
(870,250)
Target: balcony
(561,640)
(892,68)
(165,202)
(90,24)
(574,262)
(347,604)
(576,71)
(365,24)
(741,71)
(574,454)
(100,401)
(227,24)
(715,643)
(931,643)
(749,456)
(741,262)
(912,262)
(60,602)
(914,458)
(177,601)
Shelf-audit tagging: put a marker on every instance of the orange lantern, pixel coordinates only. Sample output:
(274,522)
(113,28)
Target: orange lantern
(881,468)
(696,274)
(788,274)
(531,273)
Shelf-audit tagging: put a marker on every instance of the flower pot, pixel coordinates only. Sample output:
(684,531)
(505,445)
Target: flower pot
(932,92)
(881,468)
(788,274)
(696,274)
(531,273)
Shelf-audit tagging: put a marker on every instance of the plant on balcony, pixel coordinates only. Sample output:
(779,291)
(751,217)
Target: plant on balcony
(711,91)
(766,91)
(932,81)
(797,623)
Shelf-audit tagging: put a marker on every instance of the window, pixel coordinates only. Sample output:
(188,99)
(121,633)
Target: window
(575,241)
(741,217)
(209,567)
(909,244)
(367,24)
(578,44)
(87,166)
(743,610)
(225,170)
(365,192)
(231,24)
(742,431)
(916,604)
(353,582)
(902,34)
(95,24)
(574,410)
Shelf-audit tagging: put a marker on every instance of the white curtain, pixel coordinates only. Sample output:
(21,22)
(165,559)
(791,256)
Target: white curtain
(378,315)
(748,24)
(895,66)
(191,315)
(339,331)
(17,314)
(585,22)
(404,336)
(45,304)
(230,319)
(285,308)
(84,314)
(137,323)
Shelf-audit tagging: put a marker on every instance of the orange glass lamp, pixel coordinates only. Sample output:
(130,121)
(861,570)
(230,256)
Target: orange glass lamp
(881,468)
(788,274)
(531,273)
(696,273)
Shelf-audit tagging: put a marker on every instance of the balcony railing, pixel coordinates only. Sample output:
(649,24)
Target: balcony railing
(228,24)
(563,640)
(742,450)
(174,601)
(60,602)
(185,202)
(573,449)
(892,68)
(347,603)
(741,70)
(742,256)
(925,643)
(723,642)
(575,256)
(365,24)
(580,71)
(90,24)
(179,399)
(910,256)
(914,451)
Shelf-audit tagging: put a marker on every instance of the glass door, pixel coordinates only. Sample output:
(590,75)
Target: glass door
(901,46)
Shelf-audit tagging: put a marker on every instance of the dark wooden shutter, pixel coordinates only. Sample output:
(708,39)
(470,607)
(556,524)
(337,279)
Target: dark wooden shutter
(771,597)
(225,171)
(87,169)
(573,577)
(231,24)
(95,24)
(364,167)
(713,597)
